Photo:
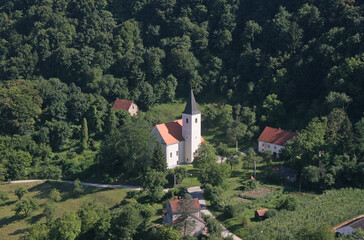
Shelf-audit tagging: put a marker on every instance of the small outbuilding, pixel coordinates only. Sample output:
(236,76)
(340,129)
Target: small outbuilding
(260,214)
(126,105)
(350,226)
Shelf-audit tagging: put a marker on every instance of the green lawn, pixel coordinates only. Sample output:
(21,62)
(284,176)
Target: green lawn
(12,226)
(167,112)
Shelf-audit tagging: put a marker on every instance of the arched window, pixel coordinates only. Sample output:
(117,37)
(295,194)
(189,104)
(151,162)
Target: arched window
(196,120)
(186,120)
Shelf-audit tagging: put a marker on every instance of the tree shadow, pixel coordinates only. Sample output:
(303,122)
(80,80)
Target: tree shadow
(35,218)
(19,231)
(8,220)
(10,203)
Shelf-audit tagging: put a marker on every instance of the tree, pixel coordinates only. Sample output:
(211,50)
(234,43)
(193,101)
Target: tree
(204,156)
(50,212)
(66,228)
(251,157)
(37,232)
(267,157)
(84,135)
(158,161)
(316,233)
(3,197)
(233,160)
(55,195)
(287,202)
(214,174)
(125,222)
(20,192)
(26,206)
(168,233)
(153,181)
(77,186)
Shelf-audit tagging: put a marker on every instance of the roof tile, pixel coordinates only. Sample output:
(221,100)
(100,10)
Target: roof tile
(276,136)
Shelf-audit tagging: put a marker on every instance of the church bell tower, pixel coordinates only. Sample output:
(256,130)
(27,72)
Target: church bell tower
(191,127)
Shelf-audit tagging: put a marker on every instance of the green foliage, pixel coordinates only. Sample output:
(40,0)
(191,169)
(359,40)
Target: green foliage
(50,212)
(3,197)
(333,207)
(250,184)
(316,233)
(20,192)
(37,232)
(153,181)
(158,161)
(204,156)
(77,187)
(26,206)
(287,202)
(213,225)
(168,233)
(214,174)
(67,227)
(84,135)
(55,195)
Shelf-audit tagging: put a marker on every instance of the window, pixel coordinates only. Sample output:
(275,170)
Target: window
(275,147)
(186,120)
(268,146)
(187,159)
(170,154)
(196,120)
(176,153)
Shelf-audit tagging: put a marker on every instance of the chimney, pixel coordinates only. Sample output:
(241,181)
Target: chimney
(175,197)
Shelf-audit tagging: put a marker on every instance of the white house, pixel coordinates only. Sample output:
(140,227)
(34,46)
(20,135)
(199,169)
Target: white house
(274,139)
(181,138)
(126,105)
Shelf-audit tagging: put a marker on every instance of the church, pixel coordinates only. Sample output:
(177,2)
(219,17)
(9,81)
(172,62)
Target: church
(182,137)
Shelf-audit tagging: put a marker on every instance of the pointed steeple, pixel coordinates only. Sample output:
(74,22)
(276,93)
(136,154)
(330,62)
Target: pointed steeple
(191,106)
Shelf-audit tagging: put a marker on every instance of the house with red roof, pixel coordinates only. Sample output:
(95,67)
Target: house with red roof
(126,105)
(179,210)
(182,137)
(274,139)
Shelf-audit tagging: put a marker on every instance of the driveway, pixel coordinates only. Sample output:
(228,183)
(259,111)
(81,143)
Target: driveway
(197,192)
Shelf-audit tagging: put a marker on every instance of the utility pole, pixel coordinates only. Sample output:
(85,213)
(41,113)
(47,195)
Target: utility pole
(236,144)
(255,169)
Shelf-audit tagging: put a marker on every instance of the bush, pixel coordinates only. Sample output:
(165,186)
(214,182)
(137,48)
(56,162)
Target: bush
(55,195)
(211,191)
(78,187)
(20,192)
(213,225)
(3,197)
(250,184)
(270,213)
(245,221)
(287,202)
(233,210)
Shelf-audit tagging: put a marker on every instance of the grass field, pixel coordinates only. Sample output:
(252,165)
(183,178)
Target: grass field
(12,226)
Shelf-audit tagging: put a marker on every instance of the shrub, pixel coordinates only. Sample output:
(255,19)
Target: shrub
(210,191)
(213,225)
(20,192)
(55,195)
(77,187)
(250,184)
(245,221)
(287,202)
(271,213)
(3,197)
(233,210)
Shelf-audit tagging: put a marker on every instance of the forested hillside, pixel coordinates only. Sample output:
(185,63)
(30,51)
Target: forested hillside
(63,63)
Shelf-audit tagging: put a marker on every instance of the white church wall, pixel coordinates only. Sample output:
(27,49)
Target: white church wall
(172,155)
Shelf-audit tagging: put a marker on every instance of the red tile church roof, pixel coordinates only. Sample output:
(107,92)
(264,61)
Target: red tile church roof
(122,104)
(276,136)
(172,132)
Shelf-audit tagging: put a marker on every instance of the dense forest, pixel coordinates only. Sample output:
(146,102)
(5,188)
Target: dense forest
(290,64)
